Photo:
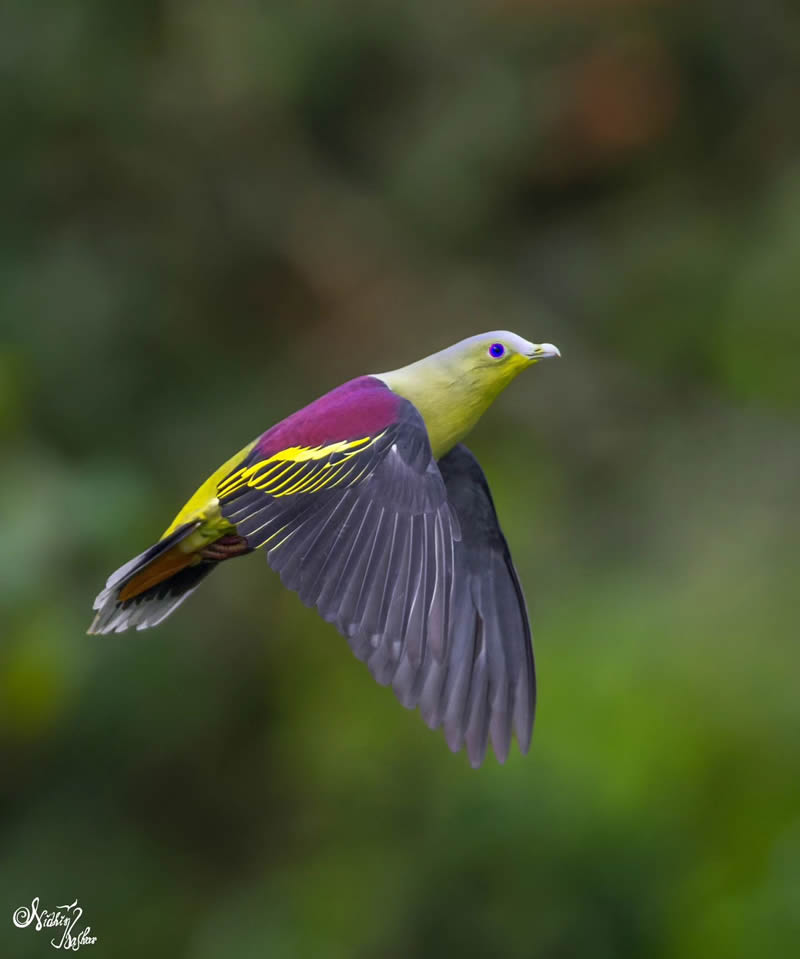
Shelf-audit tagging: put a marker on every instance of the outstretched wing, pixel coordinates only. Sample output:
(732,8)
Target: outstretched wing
(490,684)
(358,524)
(405,557)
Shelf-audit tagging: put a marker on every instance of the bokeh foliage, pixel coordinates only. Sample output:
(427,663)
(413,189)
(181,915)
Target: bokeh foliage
(213,213)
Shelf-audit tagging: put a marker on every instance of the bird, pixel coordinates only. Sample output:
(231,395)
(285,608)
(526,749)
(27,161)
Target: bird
(370,507)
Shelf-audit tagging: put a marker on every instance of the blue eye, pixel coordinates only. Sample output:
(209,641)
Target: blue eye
(496,350)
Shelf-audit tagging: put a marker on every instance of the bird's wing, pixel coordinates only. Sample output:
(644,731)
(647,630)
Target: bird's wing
(405,557)
(359,526)
(490,683)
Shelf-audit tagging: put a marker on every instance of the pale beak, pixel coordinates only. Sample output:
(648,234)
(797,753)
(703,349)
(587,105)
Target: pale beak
(540,351)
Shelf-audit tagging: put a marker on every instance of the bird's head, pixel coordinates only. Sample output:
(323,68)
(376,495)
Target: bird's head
(454,387)
(500,350)
(492,360)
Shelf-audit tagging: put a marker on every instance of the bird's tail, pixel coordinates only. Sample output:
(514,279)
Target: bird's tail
(149,587)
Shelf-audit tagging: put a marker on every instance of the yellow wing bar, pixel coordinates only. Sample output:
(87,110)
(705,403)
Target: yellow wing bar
(300,469)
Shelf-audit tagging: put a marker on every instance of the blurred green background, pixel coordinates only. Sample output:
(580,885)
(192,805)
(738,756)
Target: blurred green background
(214,212)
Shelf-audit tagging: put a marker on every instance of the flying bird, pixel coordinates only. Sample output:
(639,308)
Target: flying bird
(370,507)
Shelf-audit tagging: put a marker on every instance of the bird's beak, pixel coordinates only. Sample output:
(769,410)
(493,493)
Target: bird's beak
(540,351)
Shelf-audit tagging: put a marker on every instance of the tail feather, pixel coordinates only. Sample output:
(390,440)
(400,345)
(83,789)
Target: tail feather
(149,587)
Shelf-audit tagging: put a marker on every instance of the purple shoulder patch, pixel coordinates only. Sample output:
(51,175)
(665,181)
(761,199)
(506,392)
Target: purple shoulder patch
(361,407)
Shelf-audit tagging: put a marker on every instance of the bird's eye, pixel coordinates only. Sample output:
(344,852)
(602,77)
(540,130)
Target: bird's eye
(496,350)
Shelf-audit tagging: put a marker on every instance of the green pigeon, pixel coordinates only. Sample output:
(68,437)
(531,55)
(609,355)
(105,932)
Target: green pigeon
(370,507)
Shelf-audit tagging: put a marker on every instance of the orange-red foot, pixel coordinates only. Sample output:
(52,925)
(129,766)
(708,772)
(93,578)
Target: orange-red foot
(226,547)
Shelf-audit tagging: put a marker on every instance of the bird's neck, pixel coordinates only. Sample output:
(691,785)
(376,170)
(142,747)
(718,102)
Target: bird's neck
(450,400)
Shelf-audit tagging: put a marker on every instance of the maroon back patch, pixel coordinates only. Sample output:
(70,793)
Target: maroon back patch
(361,407)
